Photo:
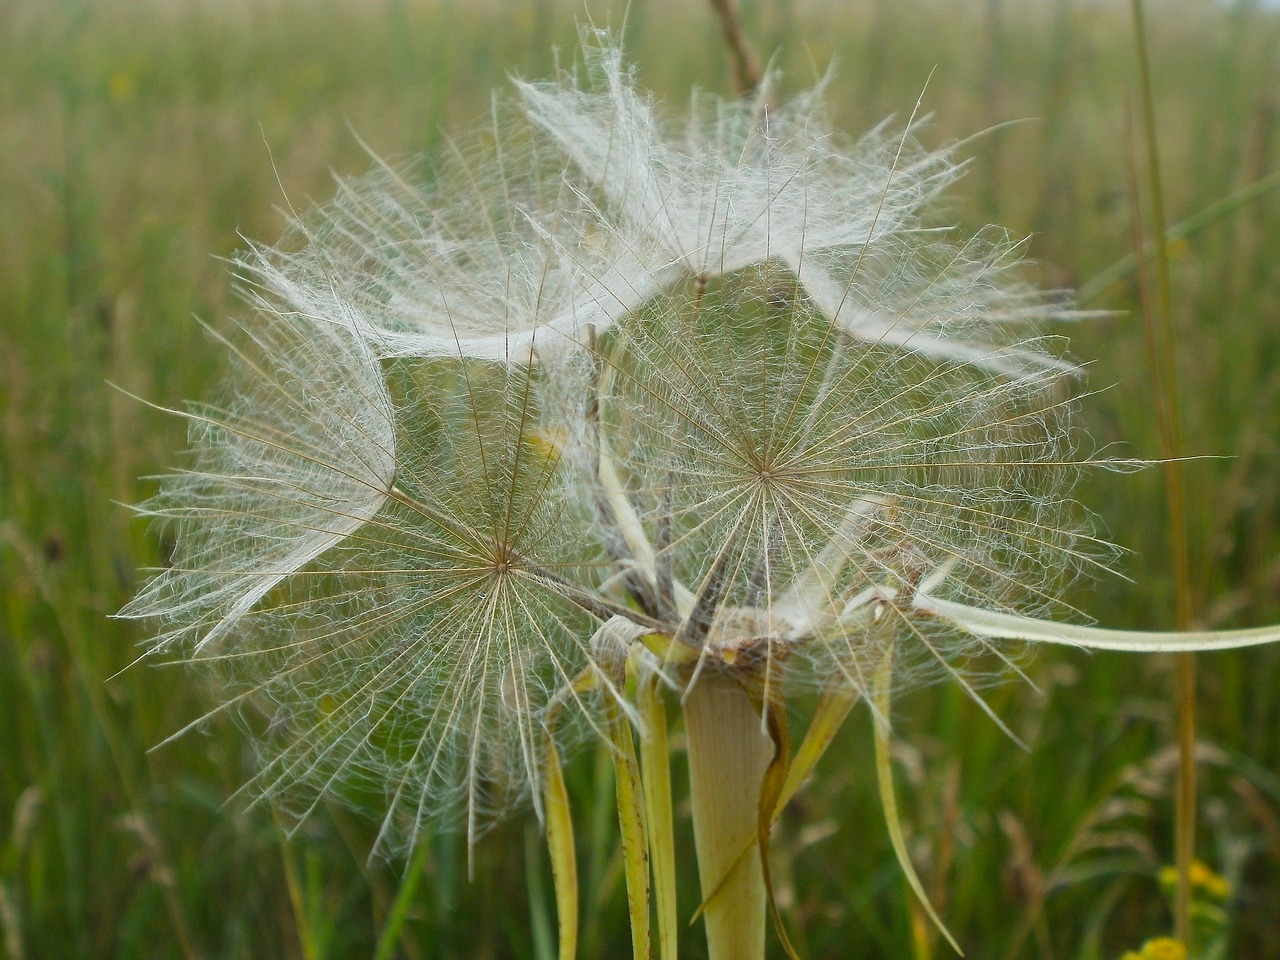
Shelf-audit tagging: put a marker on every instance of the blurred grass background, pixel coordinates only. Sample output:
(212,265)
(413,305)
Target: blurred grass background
(140,141)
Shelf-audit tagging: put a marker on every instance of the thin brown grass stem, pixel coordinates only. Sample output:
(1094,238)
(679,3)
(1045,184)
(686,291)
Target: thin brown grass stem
(1158,323)
(747,73)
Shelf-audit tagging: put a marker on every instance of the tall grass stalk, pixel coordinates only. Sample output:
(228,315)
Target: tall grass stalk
(1157,317)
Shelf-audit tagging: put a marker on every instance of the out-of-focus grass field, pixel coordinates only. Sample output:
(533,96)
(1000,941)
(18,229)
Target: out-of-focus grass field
(139,141)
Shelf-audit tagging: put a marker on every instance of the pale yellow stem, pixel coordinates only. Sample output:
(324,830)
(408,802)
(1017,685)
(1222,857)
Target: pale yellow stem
(728,755)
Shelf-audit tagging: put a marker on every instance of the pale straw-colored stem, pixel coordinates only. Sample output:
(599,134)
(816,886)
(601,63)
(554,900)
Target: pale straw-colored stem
(728,755)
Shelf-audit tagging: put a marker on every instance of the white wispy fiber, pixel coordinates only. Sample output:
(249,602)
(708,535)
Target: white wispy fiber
(612,376)
(582,202)
(291,465)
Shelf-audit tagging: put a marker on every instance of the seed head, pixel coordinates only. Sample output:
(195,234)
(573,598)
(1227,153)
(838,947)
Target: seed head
(608,376)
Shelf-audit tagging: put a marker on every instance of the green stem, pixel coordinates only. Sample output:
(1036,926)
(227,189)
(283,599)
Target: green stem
(729,752)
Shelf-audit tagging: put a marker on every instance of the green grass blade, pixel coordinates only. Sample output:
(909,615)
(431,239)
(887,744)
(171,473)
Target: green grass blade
(1105,279)
(406,894)
(1164,369)
(889,801)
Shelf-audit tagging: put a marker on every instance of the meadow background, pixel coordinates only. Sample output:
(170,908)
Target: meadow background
(141,141)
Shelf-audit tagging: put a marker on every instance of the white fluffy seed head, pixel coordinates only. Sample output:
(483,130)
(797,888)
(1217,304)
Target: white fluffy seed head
(607,374)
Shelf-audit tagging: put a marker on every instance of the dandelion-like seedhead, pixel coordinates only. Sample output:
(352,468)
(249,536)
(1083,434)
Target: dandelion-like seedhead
(607,377)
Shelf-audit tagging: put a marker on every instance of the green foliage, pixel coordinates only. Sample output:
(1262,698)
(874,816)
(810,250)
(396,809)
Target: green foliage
(142,142)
